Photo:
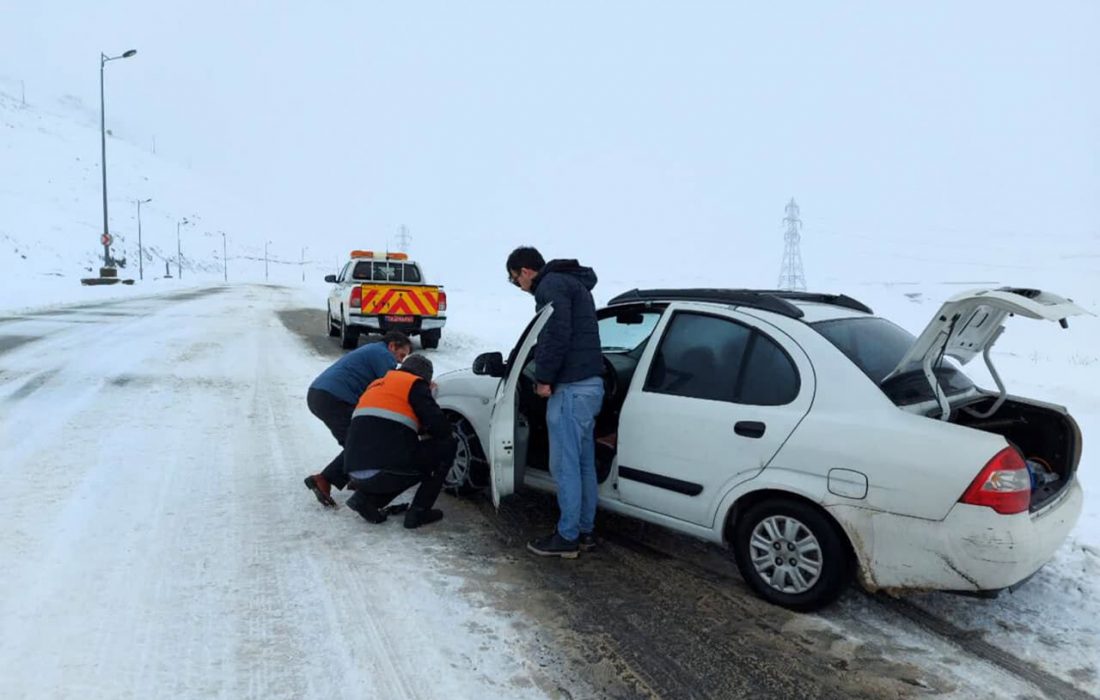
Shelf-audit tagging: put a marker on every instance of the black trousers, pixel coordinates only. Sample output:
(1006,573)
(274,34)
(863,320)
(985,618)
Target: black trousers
(336,415)
(431,458)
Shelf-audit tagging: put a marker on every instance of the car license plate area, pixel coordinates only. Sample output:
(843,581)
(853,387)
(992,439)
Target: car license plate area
(399,319)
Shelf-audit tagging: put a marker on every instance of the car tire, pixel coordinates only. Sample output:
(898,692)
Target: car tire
(333,329)
(470,468)
(791,554)
(349,335)
(429,340)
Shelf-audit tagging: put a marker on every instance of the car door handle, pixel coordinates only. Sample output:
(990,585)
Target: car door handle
(749,428)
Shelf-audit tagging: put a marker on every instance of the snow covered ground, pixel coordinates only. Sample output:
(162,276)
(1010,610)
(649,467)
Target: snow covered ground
(150,550)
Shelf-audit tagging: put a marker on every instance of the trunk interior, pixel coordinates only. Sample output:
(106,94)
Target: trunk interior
(1048,438)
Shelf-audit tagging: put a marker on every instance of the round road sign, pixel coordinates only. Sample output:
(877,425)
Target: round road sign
(106,239)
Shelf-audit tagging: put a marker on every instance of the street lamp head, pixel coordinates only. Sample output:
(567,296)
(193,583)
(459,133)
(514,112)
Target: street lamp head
(146,201)
(128,54)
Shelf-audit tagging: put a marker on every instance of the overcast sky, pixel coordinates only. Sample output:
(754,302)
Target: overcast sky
(587,128)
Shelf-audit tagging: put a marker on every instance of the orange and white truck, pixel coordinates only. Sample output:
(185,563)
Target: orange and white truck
(379,292)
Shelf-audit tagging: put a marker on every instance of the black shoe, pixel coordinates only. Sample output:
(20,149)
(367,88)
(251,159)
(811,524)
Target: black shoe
(361,504)
(421,516)
(554,546)
(586,542)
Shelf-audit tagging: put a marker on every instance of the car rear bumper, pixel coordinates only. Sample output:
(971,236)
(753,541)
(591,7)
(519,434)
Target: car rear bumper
(973,549)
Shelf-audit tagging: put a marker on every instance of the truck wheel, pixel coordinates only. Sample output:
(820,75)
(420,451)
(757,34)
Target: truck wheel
(333,329)
(349,336)
(429,340)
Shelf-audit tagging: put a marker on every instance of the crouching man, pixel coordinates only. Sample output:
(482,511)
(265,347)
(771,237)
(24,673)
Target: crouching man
(398,438)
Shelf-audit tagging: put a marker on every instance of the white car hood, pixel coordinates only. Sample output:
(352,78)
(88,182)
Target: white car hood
(972,321)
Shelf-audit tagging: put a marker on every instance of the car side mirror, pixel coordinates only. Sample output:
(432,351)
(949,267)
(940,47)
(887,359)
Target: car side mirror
(489,364)
(331,279)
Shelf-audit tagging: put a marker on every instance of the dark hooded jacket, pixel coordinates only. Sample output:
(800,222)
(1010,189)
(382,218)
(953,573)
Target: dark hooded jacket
(569,344)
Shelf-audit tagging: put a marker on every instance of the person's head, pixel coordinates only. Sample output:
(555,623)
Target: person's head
(418,365)
(523,267)
(399,344)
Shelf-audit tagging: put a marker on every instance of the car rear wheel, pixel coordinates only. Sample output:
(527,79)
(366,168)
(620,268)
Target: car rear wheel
(791,554)
(333,329)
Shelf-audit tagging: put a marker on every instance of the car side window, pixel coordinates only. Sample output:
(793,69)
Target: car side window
(699,357)
(769,376)
(707,357)
(343,273)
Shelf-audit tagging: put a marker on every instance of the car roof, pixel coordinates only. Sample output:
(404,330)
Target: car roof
(806,306)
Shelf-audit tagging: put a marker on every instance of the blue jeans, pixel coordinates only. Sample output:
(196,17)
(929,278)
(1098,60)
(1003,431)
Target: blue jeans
(570,420)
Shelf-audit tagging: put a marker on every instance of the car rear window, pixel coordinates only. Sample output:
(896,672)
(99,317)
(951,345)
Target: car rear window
(368,271)
(876,346)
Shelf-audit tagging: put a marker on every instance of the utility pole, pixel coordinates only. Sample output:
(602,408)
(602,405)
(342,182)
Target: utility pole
(791,277)
(23,93)
(179,252)
(265,259)
(106,239)
(403,238)
(225,260)
(141,251)
(304,263)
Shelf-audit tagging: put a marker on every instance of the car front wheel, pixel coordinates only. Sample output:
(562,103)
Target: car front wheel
(469,471)
(791,554)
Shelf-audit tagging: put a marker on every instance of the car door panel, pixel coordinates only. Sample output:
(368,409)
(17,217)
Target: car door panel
(679,454)
(507,448)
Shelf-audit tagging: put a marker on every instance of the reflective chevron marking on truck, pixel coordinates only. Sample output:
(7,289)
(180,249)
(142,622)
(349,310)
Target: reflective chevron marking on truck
(387,299)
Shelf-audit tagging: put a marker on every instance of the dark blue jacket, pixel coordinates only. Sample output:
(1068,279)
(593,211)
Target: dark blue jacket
(350,376)
(569,344)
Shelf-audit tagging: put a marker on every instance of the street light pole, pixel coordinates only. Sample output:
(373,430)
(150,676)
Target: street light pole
(304,263)
(179,252)
(141,253)
(225,260)
(103,60)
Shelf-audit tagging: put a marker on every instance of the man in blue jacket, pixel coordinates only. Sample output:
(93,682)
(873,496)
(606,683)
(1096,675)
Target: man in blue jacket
(333,394)
(568,372)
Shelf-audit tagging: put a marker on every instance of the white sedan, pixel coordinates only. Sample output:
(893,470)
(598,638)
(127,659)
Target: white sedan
(812,437)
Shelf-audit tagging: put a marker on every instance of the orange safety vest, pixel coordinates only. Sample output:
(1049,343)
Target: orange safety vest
(388,398)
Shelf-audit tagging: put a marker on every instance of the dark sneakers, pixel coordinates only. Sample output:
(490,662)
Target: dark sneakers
(361,504)
(422,516)
(586,542)
(321,489)
(554,546)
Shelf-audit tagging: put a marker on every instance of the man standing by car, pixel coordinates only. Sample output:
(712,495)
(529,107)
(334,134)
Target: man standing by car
(568,368)
(399,437)
(333,394)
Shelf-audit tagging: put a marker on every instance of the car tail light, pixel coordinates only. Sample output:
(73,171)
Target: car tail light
(442,302)
(356,297)
(1003,484)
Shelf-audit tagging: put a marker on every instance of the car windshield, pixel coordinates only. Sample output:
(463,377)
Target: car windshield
(876,346)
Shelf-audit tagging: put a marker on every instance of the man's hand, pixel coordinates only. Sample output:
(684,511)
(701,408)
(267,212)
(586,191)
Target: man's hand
(543,390)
